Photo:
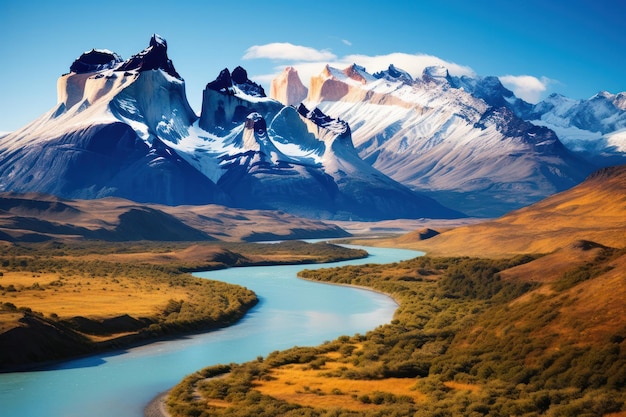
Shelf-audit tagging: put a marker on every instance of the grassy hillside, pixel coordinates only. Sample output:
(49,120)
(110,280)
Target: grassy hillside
(472,337)
(594,210)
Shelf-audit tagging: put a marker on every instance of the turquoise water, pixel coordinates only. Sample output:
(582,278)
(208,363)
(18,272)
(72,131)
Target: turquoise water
(291,312)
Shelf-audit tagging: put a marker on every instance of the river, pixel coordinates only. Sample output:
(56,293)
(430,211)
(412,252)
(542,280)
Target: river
(291,312)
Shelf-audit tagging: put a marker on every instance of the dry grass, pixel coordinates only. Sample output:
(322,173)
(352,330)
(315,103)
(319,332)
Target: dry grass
(76,295)
(593,310)
(299,384)
(193,254)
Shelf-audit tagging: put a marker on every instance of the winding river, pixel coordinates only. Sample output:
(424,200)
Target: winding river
(291,312)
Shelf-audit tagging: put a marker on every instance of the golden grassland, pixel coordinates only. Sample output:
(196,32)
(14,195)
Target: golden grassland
(96,297)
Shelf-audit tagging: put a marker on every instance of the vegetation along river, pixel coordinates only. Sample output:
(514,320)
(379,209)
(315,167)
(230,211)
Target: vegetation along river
(291,312)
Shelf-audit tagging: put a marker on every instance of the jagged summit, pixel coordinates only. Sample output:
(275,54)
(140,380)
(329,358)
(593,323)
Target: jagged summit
(288,88)
(457,137)
(125,129)
(394,73)
(96,60)
(318,117)
(236,82)
(358,73)
(151,58)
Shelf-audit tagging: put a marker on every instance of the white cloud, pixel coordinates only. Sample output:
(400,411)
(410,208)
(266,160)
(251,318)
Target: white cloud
(526,87)
(288,52)
(346,42)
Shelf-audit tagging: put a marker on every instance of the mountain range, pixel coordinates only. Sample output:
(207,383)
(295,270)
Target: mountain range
(467,141)
(351,146)
(125,129)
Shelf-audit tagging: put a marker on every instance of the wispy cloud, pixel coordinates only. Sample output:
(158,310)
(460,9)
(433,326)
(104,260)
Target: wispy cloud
(346,42)
(288,52)
(526,87)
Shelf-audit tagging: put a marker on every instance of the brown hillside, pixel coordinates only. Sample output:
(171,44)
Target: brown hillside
(38,217)
(594,210)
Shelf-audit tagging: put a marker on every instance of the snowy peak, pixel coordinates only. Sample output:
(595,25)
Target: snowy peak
(254,133)
(288,88)
(337,126)
(394,73)
(230,98)
(152,58)
(125,128)
(358,74)
(447,134)
(236,83)
(96,60)
(436,73)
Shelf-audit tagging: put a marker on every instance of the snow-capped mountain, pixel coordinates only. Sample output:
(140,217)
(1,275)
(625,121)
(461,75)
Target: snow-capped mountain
(106,136)
(295,159)
(457,138)
(124,128)
(595,127)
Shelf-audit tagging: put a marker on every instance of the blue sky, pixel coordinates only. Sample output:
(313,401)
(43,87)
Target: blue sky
(573,47)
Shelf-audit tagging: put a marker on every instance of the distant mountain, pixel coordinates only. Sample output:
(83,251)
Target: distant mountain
(125,129)
(596,127)
(38,217)
(457,138)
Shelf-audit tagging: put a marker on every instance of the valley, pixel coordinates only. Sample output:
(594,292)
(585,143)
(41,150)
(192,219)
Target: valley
(471,337)
(522,315)
(119,203)
(61,300)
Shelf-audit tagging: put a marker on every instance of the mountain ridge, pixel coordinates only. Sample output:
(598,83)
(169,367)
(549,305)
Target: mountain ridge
(458,138)
(125,128)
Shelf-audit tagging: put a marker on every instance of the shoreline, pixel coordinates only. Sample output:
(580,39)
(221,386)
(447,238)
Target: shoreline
(138,339)
(157,407)
(360,287)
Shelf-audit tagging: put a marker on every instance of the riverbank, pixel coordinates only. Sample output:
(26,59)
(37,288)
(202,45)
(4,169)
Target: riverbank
(157,407)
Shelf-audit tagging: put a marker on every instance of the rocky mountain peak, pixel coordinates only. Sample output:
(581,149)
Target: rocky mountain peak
(357,73)
(230,83)
(151,58)
(288,88)
(394,73)
(318,117)
(95,60)
(436,73)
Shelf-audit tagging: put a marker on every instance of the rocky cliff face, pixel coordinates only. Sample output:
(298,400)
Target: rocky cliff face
(287,88)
